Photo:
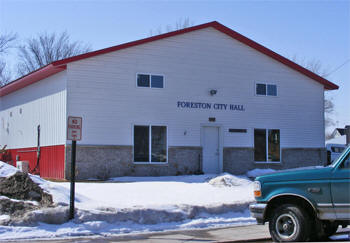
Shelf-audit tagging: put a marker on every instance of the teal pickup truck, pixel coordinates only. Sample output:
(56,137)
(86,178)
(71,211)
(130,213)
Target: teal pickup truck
(306,203)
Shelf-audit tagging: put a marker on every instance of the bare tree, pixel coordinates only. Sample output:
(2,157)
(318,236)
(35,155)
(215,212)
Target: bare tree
(46,48)
(5,75)
(313,65)
(6,42)
(316,66)
(179,24)
(329,110)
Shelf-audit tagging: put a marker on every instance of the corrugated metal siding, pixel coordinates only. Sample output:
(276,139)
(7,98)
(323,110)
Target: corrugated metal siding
(42,103)
(103,91)
(51,164)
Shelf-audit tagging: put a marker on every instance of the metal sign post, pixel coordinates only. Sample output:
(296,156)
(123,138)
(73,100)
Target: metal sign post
(74,127)
(72,181)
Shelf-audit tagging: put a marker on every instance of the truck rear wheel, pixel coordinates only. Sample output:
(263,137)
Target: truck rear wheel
(289,223)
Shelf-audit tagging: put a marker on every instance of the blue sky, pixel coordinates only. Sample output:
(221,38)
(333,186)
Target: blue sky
(311,30)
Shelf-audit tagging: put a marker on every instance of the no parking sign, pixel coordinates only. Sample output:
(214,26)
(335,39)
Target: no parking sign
(74,128)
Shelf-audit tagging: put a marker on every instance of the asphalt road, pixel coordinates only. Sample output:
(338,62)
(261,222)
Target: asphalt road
(252,233)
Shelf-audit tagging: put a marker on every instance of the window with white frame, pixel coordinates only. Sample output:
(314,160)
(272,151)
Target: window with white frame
(150,144)
(150,81)
(267,145)
(266,89)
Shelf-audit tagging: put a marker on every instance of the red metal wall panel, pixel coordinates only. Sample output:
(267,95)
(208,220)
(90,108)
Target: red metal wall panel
(51,163)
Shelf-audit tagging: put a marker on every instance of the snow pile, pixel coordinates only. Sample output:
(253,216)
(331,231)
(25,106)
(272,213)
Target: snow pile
(140,204)
(60,194)
(163,193)
(259,172)
(229,180)
(151,201)
(155,200)
(106,229)
(19,195)
(149,216)
(7,170)
(53,215)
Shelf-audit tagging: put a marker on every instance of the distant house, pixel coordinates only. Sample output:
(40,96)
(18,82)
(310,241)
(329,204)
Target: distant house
(338,132)
(336,145)
(202,99)
(340,136)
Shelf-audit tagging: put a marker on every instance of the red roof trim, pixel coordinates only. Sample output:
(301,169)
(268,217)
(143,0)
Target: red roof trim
(56,66)
(30,78)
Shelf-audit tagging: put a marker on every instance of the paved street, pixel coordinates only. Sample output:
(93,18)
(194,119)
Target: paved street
(242,233)
(252,233)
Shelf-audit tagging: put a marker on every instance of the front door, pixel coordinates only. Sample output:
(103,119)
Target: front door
(211,155)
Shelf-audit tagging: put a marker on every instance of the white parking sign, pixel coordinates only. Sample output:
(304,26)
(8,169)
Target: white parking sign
(74,128)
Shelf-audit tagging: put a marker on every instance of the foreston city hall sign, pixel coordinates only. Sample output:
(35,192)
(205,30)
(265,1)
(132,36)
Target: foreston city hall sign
(209,106)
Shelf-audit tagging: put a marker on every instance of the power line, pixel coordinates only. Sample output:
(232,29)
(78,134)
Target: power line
(336,69)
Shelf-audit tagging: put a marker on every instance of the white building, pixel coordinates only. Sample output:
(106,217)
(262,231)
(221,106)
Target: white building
(204,98)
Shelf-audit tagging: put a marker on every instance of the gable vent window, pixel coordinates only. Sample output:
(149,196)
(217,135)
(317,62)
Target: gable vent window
(266,89)
(150,81)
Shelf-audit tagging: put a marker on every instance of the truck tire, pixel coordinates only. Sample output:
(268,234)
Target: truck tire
(289,223)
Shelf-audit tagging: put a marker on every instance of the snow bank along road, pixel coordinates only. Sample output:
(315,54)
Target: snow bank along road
(137,204)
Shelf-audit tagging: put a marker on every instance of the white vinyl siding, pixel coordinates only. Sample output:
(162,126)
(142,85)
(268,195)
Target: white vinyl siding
(102,90)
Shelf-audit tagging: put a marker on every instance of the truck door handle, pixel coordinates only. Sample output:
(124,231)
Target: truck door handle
(314,189)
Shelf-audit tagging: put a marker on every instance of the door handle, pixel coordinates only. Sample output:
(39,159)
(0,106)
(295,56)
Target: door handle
(314,189)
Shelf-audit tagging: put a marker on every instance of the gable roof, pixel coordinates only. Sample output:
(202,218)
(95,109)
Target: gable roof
(60,65)
(339,131)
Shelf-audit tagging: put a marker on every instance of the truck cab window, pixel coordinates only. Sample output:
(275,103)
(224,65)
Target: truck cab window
(346,162)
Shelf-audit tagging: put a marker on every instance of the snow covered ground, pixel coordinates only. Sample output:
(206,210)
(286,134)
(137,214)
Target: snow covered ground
(163,192)
(141,204)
